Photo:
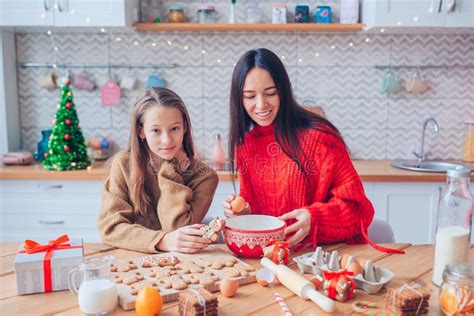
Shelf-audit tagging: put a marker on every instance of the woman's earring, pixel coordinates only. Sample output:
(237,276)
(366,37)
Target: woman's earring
(142,139)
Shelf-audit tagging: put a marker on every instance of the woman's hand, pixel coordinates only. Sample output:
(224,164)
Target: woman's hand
(228,208)
(182,160)
(300,227)
(187,239)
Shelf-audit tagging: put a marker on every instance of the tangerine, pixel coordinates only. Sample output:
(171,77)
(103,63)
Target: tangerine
(448,302)
(238,204)
(149,302)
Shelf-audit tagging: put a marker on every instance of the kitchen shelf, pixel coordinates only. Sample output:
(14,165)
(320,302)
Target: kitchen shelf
(244,27)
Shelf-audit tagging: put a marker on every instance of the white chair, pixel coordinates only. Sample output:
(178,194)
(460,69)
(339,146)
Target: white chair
(380,232)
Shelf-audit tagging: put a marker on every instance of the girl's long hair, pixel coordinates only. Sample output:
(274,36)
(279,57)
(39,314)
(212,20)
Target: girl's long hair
(140,153)
(291,118)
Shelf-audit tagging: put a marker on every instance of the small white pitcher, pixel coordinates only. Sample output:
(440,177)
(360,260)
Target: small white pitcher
(97,292)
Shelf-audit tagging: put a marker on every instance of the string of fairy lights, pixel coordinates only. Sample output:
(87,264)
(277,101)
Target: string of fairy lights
(351,43)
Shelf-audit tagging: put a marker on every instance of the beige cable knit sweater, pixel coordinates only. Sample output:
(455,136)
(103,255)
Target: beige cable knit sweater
(181,199)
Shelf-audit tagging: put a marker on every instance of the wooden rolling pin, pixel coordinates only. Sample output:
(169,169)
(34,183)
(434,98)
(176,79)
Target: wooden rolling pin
(299,285)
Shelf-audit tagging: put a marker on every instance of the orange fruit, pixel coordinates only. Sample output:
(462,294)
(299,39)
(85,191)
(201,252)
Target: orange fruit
(149,302)
(448,302)
(466,301)
(238,204)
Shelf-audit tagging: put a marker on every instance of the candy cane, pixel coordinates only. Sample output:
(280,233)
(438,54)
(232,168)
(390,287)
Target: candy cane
(285,309)
(369,308)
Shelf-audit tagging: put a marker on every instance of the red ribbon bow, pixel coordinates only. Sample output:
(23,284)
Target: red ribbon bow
(333,277)
(31,246)
(328,275)
(283,245)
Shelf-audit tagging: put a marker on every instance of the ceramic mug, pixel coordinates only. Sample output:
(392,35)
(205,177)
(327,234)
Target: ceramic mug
(416,83)
(83,82)
(155,81)
(128,82)
(391,83)
(48,81)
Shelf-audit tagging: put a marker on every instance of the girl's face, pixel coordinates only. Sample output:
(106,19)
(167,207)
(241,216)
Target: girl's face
(163,129)
(260,97)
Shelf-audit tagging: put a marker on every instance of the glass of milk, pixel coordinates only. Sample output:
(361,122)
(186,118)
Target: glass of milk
(97,293)
(454,222)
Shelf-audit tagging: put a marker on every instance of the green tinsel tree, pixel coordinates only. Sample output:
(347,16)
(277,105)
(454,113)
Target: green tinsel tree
(66,149)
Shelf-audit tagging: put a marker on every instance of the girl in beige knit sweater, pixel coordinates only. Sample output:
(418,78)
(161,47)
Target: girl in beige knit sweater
(157,193)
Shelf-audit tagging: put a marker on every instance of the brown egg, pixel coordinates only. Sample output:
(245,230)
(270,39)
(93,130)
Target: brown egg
(265,276)
(317,281)
(344,260)
(229,287)
(355,268)
(238,204)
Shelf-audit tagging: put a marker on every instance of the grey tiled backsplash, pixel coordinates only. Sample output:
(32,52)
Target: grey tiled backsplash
(326,68)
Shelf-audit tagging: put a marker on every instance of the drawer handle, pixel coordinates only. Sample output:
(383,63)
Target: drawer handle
(51,222)
(50,187)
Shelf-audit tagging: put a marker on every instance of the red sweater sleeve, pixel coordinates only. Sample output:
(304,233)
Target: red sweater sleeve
(347,209)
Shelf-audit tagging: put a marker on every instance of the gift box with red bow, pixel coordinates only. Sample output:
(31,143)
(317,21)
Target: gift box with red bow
(44,266)
(277,251)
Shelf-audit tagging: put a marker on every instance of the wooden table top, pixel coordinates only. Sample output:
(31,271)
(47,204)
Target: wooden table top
(368,170)
(253,299)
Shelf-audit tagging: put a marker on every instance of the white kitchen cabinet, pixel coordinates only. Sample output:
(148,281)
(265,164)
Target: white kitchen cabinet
(409,208)
(420,13)
(26,12)
(68,13)
(463,15)
(46,209)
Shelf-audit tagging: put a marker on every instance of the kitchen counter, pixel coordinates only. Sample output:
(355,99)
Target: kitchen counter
(369,171)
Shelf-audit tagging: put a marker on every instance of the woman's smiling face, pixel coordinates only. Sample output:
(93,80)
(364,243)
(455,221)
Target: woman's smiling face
(260,97)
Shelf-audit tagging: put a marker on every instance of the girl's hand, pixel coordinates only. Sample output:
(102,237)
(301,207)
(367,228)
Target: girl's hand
(228,208)
(187,239)
(301,226)
(182,159)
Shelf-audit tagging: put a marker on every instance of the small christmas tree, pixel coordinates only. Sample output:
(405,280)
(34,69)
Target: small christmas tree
(66,149)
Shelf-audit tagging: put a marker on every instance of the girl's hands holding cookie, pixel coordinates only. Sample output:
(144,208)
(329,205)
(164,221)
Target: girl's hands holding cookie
(187,239)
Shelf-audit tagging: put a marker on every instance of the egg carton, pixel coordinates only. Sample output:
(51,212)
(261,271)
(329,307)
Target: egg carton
(371,280)
(318,261)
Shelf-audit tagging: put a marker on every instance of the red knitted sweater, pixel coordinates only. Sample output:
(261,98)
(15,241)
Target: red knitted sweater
(331,189)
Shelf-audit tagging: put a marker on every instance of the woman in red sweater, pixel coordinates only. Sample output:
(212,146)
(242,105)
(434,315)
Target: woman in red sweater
(292,163)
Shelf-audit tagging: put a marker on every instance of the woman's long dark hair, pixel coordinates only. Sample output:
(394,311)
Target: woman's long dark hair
(291,118)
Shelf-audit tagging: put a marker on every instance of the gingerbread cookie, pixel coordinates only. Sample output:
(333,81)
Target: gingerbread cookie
(219,263)
(211,230)
(118,279)
(158,261)
(197,302)
(137,287)
(130,280)
(408,299)
(175,282)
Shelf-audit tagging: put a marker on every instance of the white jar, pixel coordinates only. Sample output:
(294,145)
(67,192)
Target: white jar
(279,14)
(349,11)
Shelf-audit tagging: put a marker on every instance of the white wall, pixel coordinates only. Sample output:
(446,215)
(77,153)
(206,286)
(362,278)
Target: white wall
(9,111)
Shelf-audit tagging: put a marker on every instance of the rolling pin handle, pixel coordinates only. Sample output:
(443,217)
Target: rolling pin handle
(324,302)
